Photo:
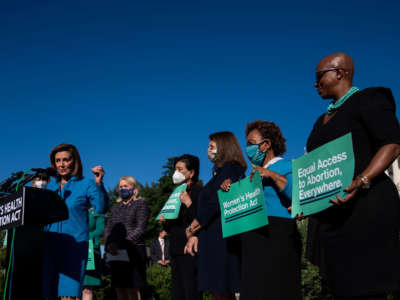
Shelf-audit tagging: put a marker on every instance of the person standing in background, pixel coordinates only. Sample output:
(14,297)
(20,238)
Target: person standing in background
(93,277)
(159,250)
(124,233)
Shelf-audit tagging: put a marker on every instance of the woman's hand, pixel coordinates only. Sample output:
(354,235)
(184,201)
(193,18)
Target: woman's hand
(278,179)
(192,228)
(351,191)
(192,246)
(185,198)
(297,217)
(226,185)
(263,172)
(98,172)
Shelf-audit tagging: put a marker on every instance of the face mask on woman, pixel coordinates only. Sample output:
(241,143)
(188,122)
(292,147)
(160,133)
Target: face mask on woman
(178,177)
(41,184)
(255,155)
(212,154)
(126,193)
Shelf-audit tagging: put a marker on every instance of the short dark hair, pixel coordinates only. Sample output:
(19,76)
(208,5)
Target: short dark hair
(271,131)
(192,163)
(77,171)
(228,149)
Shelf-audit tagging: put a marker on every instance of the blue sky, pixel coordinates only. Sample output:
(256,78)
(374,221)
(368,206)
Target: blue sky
(131,83)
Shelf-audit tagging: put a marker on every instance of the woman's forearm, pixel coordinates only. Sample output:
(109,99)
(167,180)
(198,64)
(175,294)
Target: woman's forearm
(279,180)
(381,160)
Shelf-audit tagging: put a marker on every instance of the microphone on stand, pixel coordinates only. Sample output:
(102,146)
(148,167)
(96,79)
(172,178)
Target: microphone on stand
(48,171)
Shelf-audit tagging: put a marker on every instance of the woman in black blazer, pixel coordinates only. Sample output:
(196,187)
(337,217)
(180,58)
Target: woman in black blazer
(219,268)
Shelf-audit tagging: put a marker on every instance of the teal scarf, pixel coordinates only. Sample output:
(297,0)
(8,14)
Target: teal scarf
(333,106)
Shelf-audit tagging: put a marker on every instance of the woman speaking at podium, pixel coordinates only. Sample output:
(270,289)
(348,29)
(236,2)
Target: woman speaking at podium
(66,248)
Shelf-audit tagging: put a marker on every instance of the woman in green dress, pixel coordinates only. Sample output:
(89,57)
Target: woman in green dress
(93,277)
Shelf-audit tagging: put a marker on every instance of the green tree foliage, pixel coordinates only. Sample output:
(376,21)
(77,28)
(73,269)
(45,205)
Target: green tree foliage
(156,194)
(311,283)
(159,280)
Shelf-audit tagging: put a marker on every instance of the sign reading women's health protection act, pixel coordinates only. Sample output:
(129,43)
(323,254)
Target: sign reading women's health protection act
(243,207)
(322,175)
(173,205)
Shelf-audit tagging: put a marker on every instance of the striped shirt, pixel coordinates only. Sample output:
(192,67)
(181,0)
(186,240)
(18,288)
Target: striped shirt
(126,224)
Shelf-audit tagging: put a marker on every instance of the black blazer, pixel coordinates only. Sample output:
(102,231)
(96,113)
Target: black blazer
(155,250)
(177,228)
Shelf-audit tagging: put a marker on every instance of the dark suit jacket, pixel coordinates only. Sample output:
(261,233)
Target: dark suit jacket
(155,250)
(177,228)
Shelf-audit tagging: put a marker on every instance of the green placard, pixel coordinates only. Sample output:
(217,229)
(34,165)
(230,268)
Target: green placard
(243,207)
(173,205)
(322,175)
(90,262)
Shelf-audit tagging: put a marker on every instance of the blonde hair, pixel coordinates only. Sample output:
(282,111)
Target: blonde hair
(133,183)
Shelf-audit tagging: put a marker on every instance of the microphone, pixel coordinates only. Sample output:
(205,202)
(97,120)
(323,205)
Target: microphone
(48,171)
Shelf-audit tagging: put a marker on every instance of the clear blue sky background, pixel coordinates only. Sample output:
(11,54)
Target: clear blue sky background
(131,83)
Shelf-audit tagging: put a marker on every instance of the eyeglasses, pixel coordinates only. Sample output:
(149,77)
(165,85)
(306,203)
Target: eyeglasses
(319,74)
(259,144)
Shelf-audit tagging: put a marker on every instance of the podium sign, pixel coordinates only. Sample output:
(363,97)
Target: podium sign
(12,211)
(32,206)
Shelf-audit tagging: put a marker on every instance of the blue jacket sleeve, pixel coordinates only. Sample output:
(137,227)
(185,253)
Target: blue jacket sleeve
(98,197)
(208,205)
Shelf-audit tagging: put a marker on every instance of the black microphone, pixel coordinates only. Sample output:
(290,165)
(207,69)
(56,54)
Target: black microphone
(48,171)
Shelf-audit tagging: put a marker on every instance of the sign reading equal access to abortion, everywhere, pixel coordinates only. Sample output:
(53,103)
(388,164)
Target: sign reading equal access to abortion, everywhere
(243,206)
(173,205)
(322,175)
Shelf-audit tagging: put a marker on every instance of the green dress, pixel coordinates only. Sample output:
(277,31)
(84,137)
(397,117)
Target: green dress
(96,230)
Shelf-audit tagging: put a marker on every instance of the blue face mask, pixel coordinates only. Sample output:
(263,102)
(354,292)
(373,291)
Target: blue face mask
(255,155)
(126,193)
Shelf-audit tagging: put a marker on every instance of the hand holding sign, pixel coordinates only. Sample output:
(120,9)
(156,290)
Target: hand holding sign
(226,185)
(351,191)
(263,172)
(321,174)
(173,205)
(185,198)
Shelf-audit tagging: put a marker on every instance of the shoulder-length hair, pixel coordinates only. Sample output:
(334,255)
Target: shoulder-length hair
(133,183)
(77,170)
(228,149)
(271,131)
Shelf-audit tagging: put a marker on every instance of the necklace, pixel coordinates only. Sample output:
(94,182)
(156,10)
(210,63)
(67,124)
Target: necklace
(334,106)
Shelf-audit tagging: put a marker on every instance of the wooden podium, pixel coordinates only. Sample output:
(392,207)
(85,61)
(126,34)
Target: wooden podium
(25,214)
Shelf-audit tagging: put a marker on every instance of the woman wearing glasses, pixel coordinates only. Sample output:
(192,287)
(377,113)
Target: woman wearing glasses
(356,242)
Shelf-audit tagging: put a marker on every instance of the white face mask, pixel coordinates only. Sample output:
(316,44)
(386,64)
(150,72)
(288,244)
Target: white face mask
(178,177)
(41,184)
(212,154)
